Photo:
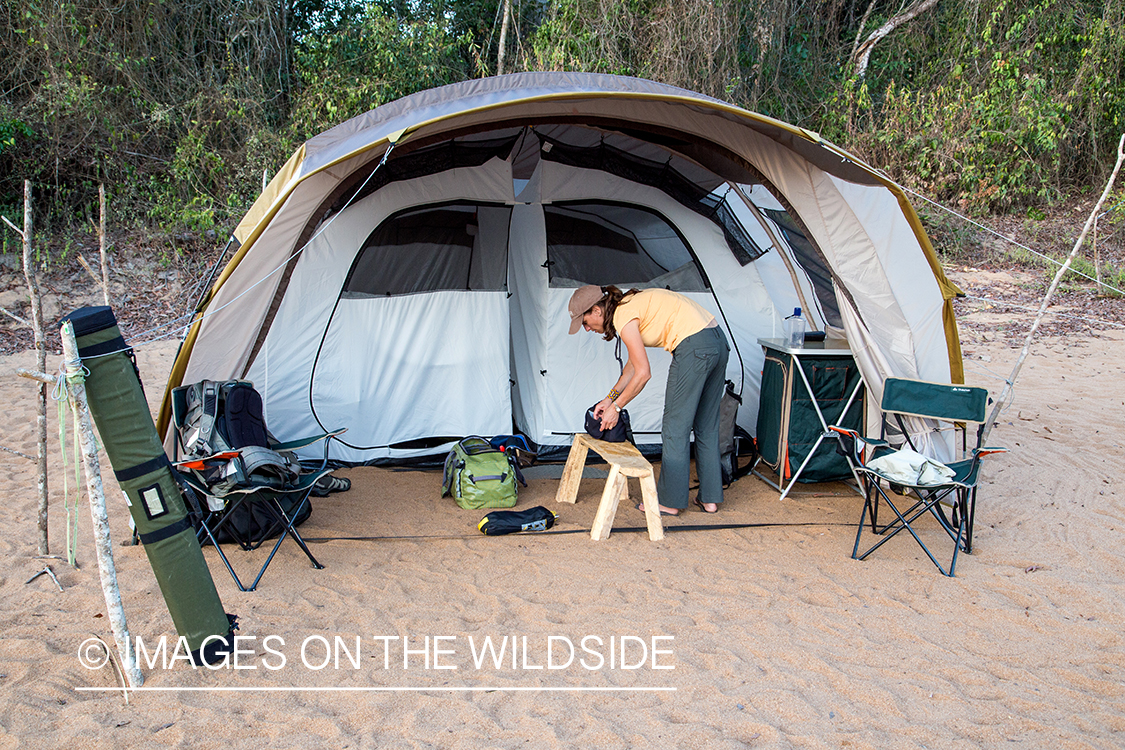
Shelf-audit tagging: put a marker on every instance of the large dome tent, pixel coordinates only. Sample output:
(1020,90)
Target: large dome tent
(406,273)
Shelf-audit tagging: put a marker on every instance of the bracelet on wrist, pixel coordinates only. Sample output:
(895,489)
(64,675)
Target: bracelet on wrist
(614,395)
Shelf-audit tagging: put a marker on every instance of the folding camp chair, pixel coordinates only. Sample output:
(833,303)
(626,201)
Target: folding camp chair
(949,499)
(214,500)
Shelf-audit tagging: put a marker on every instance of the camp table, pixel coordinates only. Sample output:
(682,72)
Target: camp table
(794,411)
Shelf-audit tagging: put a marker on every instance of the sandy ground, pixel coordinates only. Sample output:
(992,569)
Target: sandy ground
(762,637)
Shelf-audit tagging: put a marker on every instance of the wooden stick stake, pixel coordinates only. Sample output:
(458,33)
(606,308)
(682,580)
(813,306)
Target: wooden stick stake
(31,275)
(101,242)
(76,384)
(1005,394)
(42,377)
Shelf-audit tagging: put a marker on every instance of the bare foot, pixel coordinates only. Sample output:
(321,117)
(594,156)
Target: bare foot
(663,511)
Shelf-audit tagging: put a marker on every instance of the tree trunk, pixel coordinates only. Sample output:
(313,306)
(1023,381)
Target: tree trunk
(101,243)
(501,52)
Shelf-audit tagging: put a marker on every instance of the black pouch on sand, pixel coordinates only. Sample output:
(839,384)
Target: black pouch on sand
(512,521)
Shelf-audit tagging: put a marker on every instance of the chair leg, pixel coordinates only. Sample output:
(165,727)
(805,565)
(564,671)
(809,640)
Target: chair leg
(274,506)
(867,506)
(972,511)
(280,519)
(905,520)
(205,530)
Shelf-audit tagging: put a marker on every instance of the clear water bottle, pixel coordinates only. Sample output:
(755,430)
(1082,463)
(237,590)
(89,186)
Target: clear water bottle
(795,329)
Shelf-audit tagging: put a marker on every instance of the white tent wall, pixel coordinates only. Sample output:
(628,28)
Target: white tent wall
(366,375)
(907,279)
(414,366)
(873,251)
(530,318)
(239,307)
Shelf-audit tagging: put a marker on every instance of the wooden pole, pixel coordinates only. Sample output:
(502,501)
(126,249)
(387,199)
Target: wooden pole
(76,386)
(31,275)
(101,243)
(1005,394)
(501,49)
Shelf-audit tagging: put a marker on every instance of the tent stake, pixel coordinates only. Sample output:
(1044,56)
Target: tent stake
(1005,394)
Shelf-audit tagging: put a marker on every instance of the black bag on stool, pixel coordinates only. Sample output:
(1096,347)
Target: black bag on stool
(512,521)
(620,432)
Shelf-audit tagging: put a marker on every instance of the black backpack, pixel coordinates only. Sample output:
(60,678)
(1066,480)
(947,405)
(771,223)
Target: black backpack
(227,417)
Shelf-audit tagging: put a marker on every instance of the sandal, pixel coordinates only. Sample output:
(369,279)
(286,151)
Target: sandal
(704,509)
(328,484)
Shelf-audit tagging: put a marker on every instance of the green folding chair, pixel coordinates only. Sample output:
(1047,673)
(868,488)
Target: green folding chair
(223,484)
(951,500)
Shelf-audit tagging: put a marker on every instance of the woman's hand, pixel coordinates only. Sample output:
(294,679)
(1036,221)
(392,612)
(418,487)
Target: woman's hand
(609,418)
(601,406)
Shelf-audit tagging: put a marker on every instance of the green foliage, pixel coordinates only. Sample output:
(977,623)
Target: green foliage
(1008,111)
(373,59)
(10,130)
(595,36)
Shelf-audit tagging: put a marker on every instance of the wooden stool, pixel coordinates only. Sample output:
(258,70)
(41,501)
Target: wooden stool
(624,461)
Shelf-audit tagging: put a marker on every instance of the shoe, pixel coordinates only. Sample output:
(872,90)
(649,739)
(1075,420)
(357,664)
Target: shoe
(328,484)
(662,511)
(702,508)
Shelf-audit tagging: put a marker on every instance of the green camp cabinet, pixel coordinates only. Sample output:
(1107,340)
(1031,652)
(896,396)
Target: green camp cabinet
(795,412)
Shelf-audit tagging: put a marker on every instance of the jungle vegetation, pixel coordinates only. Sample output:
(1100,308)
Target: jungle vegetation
(179,106)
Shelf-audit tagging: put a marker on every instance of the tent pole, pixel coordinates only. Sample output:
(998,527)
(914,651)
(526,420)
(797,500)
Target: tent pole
(777,244)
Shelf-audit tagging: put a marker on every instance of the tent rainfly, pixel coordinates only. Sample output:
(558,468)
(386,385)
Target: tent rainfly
(406,273)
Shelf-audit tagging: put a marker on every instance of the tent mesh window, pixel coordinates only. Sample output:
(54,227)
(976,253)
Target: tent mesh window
(457,246)
(811,260)
(610,243)
(661,176)
(454,154)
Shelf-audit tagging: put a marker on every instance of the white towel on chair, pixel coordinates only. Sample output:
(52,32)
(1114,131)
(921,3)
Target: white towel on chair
(910,467)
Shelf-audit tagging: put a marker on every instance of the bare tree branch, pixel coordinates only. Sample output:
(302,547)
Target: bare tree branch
(862,54)
(1005,394)
(862,26)
(17,453)
(13,226)
(15,317)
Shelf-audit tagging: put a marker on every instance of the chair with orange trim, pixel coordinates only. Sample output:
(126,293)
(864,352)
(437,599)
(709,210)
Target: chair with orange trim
(230,466)
(947,492)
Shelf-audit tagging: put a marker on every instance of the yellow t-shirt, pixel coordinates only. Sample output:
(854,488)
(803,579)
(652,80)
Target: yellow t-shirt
(665,317)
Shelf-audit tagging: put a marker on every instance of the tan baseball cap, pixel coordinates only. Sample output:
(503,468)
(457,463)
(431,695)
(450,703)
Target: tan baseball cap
(581,301)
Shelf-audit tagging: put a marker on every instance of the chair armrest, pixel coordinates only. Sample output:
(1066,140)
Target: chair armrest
(987,451)
(293,445)
(873,442)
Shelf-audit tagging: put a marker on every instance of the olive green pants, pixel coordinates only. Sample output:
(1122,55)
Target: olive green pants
(691,403)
